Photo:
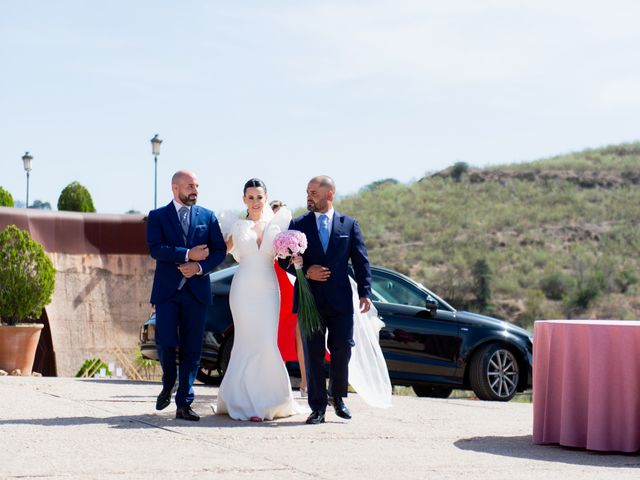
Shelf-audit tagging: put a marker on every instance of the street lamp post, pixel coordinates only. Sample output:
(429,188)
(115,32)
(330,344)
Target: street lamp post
(26,160)
(155,150)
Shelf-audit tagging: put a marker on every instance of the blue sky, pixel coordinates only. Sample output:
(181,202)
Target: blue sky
(285,90)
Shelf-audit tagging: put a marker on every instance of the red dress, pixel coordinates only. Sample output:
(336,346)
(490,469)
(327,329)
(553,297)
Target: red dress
(288,319)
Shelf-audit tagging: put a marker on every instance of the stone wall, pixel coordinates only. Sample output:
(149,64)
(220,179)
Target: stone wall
(98,306)
(103,282)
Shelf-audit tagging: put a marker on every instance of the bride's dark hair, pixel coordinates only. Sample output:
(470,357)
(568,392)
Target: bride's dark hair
(254,183)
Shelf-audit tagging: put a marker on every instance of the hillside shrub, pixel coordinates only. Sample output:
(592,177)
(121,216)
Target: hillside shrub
(555,285)
(586,290)
(458,170)
(532,308)
(624,279)
(481,273)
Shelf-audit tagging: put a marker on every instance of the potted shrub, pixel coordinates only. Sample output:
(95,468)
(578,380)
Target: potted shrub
(27,279)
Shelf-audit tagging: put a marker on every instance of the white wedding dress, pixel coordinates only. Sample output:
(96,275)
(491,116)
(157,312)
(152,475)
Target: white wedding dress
(256,383)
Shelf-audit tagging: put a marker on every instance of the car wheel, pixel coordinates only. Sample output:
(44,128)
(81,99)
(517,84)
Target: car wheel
(433,392)
(494,373)
(208,375)
(224,354)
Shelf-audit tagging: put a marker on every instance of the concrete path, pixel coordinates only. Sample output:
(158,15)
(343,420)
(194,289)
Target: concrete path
(65,428)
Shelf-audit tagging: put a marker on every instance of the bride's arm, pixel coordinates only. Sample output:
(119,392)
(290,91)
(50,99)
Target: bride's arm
(229,243)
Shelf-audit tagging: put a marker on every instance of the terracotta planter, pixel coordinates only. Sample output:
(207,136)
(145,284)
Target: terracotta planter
(18,346)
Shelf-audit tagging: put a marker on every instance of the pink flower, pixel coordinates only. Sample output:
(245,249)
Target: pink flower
(289,242)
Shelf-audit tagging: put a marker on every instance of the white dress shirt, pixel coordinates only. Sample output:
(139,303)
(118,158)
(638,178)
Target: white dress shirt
(328,213)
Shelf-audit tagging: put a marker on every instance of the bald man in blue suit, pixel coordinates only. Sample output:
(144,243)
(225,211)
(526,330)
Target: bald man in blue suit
(186,242)
(333,240)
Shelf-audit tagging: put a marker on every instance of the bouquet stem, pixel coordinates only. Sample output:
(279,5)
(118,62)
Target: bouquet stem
(308,317)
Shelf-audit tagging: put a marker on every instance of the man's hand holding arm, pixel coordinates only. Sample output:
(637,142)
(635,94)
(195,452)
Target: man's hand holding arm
(190,269)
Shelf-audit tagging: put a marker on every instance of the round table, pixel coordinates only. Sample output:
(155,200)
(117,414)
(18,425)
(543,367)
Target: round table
(586,384)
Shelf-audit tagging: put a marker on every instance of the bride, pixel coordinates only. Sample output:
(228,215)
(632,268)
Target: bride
(256,384)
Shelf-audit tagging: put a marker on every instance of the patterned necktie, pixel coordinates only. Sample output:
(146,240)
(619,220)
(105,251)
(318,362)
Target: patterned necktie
(184,221)
(183,214)
(323,231)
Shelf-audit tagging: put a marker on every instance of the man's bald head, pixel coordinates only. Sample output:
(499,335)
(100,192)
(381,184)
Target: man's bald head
(181,175)
(320,192)
(184,185)
(324,181)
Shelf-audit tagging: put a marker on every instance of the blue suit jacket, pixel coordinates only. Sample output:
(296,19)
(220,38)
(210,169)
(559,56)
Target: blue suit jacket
(333,297)
(167,247)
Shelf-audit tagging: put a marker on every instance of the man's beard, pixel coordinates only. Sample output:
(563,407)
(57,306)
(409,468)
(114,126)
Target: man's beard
(187,200)
(316,206)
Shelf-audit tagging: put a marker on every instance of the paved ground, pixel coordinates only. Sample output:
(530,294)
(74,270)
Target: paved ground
(70,428)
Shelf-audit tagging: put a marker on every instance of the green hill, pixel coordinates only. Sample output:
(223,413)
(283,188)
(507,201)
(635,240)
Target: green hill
(554,238)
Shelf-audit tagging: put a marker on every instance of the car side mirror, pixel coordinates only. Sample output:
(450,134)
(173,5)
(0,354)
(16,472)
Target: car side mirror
(432,307)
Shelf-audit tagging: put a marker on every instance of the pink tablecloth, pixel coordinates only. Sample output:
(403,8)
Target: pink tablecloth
(586,384)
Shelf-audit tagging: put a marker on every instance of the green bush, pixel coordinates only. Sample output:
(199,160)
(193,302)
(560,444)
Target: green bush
(91,367)
(482,283)
(75,198)
(555,285)
(6,200)
(586,291)
(458,170)
(27,277)
(533,308)
(624,279)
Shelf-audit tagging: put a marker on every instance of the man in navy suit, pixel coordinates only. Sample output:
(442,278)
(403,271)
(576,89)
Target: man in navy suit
(333,239)
(186,242)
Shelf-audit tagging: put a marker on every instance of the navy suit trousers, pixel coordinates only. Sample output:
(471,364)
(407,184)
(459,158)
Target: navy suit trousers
(180,324)
(339,342)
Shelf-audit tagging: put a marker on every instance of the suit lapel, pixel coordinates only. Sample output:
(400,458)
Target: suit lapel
(194,211)
(313,238)
(336,230)
(174,220)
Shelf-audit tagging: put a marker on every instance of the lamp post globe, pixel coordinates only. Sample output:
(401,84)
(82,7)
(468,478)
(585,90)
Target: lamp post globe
(26,161)
(155,150)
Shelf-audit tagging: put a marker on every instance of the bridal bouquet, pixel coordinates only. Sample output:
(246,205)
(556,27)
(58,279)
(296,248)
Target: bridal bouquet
(291,243)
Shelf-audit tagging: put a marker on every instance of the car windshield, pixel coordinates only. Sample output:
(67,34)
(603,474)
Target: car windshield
(391,287)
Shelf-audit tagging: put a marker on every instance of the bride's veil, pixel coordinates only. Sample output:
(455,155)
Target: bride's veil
(368,373)
(267,213)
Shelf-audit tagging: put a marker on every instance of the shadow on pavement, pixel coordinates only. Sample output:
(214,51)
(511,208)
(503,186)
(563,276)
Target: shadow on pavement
(523,447)
(163,421)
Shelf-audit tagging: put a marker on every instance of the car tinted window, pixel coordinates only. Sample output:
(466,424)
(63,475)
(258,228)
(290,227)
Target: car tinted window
(393,290)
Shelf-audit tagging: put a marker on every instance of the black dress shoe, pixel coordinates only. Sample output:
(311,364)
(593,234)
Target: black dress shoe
(341,409)
(315,418)
(164,399)
(186,413)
